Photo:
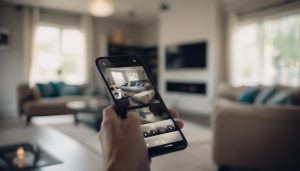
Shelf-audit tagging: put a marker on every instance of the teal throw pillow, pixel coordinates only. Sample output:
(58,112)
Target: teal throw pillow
(248,95)
(265,94)
(70,90)
(281,97)
(45,89)
(57,87)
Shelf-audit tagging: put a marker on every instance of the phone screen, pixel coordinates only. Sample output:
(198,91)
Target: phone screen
(132,90)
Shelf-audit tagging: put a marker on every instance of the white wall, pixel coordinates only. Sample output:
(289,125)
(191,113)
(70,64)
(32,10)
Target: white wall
(132,31)
(189,21)
(11,60)
(150,34)
(102,28)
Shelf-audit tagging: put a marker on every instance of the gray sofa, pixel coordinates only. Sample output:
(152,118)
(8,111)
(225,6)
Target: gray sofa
(255,137)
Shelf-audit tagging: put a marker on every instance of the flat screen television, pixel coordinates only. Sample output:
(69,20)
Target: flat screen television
(186,56)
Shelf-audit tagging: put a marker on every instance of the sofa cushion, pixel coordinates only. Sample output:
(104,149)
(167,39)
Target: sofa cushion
(265,94)
(50,106)
(248,95)
(70,90)
(57,87)
(281,97)
(141,84)
(135,89)
(45,89)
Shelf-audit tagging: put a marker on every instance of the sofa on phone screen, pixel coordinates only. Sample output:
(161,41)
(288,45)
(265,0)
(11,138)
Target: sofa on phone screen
(262,135)
(133,87)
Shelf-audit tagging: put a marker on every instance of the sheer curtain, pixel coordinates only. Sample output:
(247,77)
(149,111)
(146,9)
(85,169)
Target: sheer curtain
(30,22)
(231,29)
(87,31)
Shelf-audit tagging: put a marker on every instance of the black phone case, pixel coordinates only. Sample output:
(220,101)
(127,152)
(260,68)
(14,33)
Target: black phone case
(122,112)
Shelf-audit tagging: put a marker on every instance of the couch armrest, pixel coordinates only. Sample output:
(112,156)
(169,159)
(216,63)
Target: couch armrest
(255,136)
(24,94)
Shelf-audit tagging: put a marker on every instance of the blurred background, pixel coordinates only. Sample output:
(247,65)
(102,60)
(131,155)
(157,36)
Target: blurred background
(219,62)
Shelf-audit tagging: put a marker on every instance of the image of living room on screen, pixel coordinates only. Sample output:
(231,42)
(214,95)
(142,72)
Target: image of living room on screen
(152,113)
(131,87)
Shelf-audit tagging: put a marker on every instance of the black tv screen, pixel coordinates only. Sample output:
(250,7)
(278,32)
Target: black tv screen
(186,56)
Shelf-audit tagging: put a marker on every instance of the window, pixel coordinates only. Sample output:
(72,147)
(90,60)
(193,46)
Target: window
(132,76)
(267,52)
(58,55)
(118,78)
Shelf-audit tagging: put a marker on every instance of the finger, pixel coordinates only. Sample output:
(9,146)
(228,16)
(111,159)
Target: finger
(179,123)
(173,113)
(109,113)
(109,119)
(133,118)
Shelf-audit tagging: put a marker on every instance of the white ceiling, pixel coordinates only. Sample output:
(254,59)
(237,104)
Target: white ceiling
(145,10)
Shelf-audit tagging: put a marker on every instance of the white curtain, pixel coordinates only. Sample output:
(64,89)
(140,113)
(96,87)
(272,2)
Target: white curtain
(30,22)
(232,25)
(87,30)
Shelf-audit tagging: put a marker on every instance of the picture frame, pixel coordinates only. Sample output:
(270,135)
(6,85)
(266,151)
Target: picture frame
(4,39)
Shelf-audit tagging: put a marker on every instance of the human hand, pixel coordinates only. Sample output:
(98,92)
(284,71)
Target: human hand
(122,142)
(175,115)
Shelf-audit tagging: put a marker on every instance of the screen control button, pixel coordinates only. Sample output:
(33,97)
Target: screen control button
(161,130)
(153,132)
(170,128)
(146,134)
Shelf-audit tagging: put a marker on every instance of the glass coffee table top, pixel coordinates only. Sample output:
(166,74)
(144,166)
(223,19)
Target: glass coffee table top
(89,106)
(89,112)
(73,155)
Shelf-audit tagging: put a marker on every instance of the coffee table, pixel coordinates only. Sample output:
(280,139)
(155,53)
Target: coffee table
(74,156)
(89,111)
(144,97)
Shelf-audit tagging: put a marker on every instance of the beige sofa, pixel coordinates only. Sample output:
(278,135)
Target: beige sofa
(31,104)
(255,137)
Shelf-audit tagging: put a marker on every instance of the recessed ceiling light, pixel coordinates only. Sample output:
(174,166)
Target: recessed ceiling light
(101,8)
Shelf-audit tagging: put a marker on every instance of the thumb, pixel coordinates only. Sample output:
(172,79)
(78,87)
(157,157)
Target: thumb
(133,118)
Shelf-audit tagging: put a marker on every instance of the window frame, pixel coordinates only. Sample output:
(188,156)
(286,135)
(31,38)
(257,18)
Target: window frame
(261,40)
(62,27)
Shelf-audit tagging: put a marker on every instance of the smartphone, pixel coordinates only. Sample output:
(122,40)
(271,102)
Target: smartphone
(130,88)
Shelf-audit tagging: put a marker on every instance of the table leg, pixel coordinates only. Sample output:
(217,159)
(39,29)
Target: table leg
(76,121)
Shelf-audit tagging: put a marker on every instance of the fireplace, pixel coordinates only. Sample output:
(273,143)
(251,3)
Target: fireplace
(184,87)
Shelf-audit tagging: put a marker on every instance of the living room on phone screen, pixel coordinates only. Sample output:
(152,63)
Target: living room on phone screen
(132,89)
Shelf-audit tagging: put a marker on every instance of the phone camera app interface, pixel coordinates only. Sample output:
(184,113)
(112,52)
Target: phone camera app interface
(132,89)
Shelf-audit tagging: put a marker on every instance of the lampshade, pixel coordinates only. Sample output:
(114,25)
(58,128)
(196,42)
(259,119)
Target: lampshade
(101,8)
